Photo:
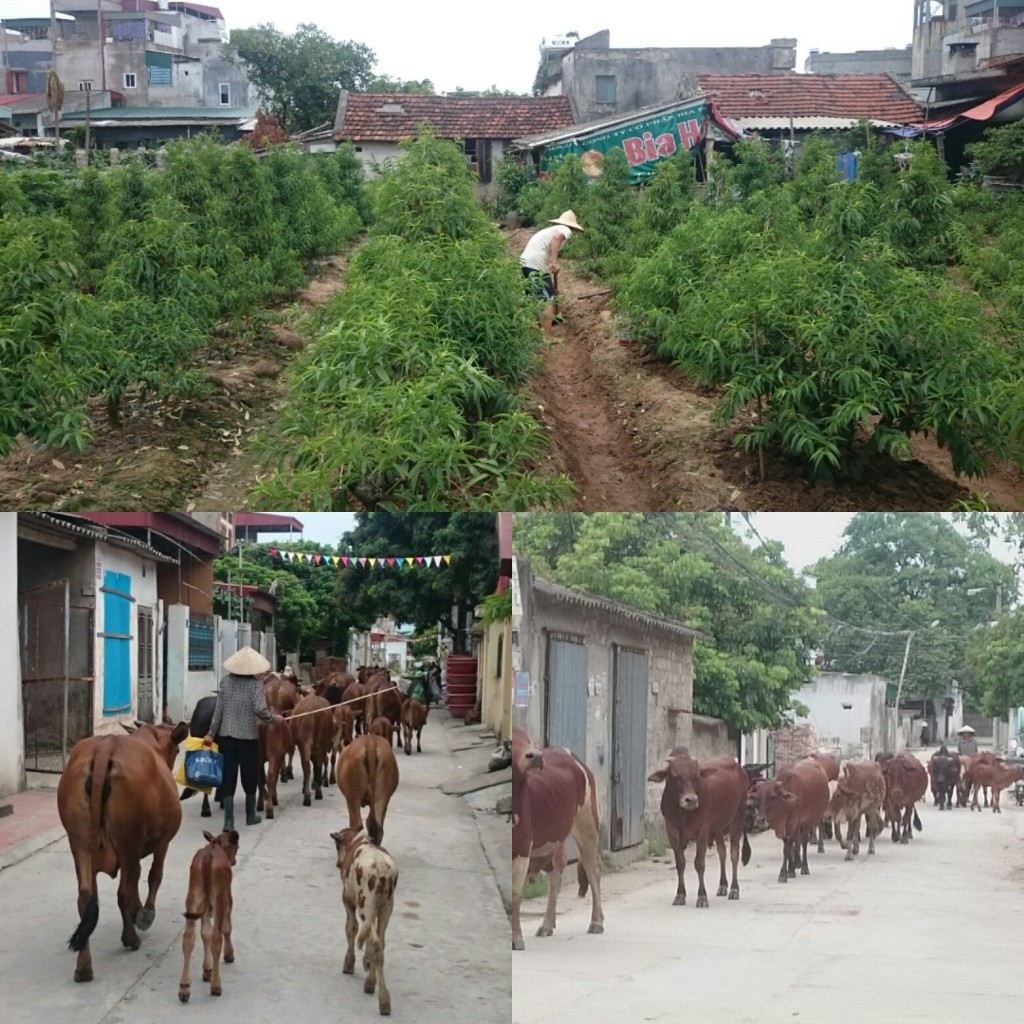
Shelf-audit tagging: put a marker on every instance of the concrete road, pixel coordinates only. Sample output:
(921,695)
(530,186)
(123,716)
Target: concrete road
(447,943)
(932,930)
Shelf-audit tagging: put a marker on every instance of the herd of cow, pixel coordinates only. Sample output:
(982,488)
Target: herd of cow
(715,800)
(119,803)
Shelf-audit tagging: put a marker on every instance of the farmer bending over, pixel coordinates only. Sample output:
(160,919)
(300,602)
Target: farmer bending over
(539,261)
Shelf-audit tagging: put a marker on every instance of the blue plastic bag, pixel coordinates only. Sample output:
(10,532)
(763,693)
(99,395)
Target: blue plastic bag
(204,767)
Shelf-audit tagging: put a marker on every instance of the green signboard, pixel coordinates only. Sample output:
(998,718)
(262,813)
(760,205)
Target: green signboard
(645,141)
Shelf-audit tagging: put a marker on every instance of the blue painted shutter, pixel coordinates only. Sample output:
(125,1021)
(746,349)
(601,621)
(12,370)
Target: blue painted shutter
(117,673)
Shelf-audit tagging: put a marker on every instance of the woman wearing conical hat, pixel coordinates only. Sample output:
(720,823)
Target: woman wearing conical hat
(240,701)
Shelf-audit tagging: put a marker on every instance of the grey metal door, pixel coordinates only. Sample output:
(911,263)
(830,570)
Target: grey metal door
(629,746)
(56,641)
(566,689)
(145,657)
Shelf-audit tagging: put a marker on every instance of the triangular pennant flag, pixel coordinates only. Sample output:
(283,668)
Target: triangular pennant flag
(373,562)
(335,559)
(344,558)
(316,558)
(289,555)
(419,558)
(399,563)
(437,560)
(391,561)
(408,560)
(447,559)
(273,552)
(362,563)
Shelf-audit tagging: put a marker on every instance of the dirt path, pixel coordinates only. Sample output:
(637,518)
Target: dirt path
(180,455)
(634,433)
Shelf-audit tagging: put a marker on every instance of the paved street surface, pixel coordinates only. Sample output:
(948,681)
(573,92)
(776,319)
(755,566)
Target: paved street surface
(932,930)
(447,944)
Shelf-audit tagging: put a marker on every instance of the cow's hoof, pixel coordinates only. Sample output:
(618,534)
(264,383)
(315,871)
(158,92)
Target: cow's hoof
(215,991)
(516,944)
(734,894)
(385,1007)
(130,943)
(849,856)
(702,901)
(319,795)
(369,986)
(83,974)
(270,812)
(596,929)
(207,973)
(306,802)
(679,901)
(723,890)
(144,918)
(783,877)
(791,873)
(183,995)
(544,932)
(206,813)
(349,966)
(904,841)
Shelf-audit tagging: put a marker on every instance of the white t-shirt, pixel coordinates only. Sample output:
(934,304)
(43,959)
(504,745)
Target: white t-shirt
(537,254)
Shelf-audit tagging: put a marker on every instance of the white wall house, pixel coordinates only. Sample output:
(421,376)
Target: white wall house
(12,754)
(847,711)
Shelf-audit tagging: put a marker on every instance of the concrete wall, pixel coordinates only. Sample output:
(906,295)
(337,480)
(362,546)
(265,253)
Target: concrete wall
(494,677)
(862,62)
(841,705)
(659,74)
(12,726)
(142,573)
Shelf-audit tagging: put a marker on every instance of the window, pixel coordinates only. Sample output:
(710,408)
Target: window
(225,94)
(200,642)
(605,88)
(129,80)
(84,86)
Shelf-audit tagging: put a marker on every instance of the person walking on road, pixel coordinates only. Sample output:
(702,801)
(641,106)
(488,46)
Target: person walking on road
(540,263)
(240,701)
(966,743)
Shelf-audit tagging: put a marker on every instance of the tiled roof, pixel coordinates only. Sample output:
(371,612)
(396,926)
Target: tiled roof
(362,119)
(874,96)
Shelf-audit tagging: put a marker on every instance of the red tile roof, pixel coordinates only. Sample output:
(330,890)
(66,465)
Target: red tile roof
(454,117)
(876,96)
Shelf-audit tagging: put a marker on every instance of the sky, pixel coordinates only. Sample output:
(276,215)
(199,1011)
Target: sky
(474,45)
(324,527)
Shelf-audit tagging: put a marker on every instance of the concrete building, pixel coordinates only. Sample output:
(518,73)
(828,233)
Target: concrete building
(601,81)
(890,61)
(615,686)
(847,712)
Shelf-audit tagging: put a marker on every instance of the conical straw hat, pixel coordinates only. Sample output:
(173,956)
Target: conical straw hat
(246,662)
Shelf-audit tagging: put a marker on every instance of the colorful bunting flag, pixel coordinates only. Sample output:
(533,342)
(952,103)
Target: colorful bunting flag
(374,561)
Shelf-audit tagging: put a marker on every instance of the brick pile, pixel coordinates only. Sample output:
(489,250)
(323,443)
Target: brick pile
(792,744)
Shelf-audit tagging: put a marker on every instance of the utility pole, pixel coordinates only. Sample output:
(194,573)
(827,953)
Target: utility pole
(899,689)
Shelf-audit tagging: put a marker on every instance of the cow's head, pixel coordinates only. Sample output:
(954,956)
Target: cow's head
(680,776)
(525,756)
(164,739)
(770,799)
(345,840)
(227,841)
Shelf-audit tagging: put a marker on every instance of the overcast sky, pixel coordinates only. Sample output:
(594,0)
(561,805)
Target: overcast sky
(476,45)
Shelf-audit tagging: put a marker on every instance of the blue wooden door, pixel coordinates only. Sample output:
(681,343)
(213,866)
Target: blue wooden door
(117,666)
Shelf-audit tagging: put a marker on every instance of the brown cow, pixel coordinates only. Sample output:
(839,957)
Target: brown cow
(282,693)
(831,768)
(382,727)
(704,801)
(383,700)
(118,802)
(998,776)
(276,744)
(344,723)
(859,792)
(313,734)
(368,777)
(354,698)
(414,717)
(906,781)
(553,797)
(793,804)
(368,880)
(968,763)
(209,901)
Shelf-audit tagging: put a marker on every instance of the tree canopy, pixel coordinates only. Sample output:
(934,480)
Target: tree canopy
(385,83)
(299,76)
(912,571)
(695,569)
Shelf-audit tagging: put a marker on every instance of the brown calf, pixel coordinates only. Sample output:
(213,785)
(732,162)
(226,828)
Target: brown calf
(382,726)
(998,776)
(906,781)
(282,693)
(368,777)
(118,803)
(354,698)
(383,700)
(313,734)
(859,792)
(368,880)
(344,723)
(414,717)
(209,901)
(275,745)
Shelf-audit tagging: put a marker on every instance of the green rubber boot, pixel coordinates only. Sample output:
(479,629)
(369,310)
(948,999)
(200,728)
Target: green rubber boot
(229,813)
(251,817)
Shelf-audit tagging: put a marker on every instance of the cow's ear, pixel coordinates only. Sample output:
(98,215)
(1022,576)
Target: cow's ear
(336,836)
(659,776)
(789,797)
(209,836)
(179,733)
(127,728)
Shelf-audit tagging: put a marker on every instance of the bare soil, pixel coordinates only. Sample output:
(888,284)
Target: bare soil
(633,432)
(177,455)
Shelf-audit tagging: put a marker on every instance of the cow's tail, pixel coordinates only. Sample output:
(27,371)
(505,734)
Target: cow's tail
(581,874)
(746,850)
(917,821)
(373,828)
(96,783)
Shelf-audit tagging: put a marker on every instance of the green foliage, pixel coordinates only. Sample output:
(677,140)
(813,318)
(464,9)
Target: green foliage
(995,656)
(512,176)
(385,83)
(299,76)
(1001,151)
(682,566)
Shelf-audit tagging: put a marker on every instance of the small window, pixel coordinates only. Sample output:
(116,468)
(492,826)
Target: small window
(225,94)
(85,86)
(605,88)
(129,80)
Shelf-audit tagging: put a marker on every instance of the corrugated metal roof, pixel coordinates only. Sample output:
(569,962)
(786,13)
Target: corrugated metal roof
(73,524)
(634,615)
(755,124)
(167,115)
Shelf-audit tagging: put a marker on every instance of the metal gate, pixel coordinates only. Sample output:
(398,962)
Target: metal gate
(56,640)
(147,711)
(566,690)
(629,746)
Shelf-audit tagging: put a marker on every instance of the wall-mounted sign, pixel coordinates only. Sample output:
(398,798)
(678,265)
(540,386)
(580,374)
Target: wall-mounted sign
(522,689)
